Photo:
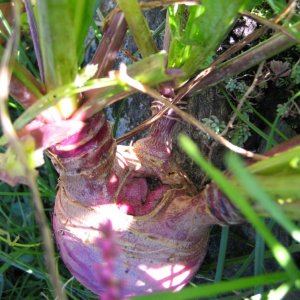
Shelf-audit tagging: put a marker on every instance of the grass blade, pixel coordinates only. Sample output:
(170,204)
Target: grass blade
(222,253)
(259,258)
(255,191)
(281,254)
(210,290)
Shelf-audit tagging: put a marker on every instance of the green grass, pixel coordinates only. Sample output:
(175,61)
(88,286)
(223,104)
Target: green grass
(22,269)
(282,254)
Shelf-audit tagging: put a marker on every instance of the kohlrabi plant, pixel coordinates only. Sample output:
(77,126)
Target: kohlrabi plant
(127,220)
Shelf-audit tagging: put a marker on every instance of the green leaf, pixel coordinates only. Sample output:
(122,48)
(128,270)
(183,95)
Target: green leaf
(1,284)
(259,258)
(254,190)
(154,74)
(281,254)
(178,51)
(277,5)
(56,96)
(151,70)
(58,40)
(83,15)
(138,26)
(215,289)
(282,163)
(222,253)
(194,42)
(57,36)
(13,259)
(12,169)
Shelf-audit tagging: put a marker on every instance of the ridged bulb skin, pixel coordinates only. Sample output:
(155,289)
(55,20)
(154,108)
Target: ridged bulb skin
(160,223)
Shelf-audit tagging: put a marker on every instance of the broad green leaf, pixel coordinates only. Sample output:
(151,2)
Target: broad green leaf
(277,5)
(62,27)
(151,70)
(57,38)
(194,42)
(83,15)
(179,51)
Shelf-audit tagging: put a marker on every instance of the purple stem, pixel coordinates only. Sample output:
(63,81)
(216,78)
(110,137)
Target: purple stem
(35,38)
(108,49)
(220,206)
(112,40)
(163,127)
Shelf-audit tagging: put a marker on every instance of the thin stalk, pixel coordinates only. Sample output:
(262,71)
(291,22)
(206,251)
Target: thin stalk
(138,26)
(268,123)
(108,49)
(278,163)
(246,120)
(255,191)
(222,253)
(246,263)
(277,119)
(279,250)
(246,260)
(280,292)
(244,98)
(259,259)
(13,259)
(110,45)
(5,23)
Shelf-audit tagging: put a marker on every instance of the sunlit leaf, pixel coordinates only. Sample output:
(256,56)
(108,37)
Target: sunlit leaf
(281,254)
(155,74)
(193,42)
(254,190)
(207,291)
(58,41)
(277,5)
(83,15)
(12,170)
